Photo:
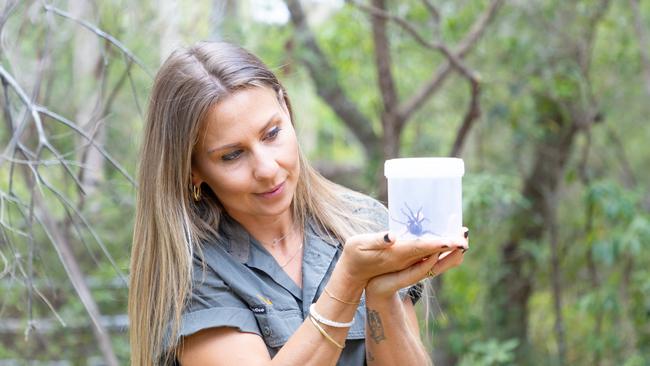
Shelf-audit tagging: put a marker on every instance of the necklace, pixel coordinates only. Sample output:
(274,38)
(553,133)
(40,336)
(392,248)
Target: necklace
(276,241)
(293,255)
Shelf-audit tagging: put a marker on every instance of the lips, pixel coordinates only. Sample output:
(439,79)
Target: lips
(273,191)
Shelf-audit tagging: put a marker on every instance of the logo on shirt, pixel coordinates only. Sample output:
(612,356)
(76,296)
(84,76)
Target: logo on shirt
(265,299)
(258,309)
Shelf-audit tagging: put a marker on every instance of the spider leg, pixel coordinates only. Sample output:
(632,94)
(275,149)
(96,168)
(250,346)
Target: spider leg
(420,217)
(399,222)
(408,217)
(410,211)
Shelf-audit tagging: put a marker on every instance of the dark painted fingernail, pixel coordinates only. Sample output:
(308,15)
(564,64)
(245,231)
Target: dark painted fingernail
(445,247)
(466,234)
(386,238)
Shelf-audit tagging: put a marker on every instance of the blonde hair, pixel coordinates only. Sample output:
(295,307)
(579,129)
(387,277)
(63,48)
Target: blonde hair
(169,224)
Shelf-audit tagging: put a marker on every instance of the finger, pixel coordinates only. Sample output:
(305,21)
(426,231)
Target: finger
(373,241)
(454,259)
(417,272)
(423,247)
(465,236)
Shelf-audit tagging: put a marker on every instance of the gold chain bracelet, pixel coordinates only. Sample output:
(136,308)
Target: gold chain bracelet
(339,300)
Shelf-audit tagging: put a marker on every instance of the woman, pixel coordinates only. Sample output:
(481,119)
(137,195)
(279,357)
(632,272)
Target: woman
(244,255)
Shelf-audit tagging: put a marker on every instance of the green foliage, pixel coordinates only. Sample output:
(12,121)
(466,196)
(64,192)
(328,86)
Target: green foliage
(527,61)
(490,353)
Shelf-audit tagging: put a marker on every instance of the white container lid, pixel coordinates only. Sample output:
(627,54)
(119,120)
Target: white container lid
(424,167)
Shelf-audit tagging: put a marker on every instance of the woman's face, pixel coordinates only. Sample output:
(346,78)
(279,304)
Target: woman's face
(248,154)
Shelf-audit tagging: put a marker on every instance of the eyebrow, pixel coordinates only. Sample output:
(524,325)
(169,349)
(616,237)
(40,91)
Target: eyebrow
(230,146)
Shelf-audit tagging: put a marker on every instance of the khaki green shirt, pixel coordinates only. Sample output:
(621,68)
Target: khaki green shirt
(243,287)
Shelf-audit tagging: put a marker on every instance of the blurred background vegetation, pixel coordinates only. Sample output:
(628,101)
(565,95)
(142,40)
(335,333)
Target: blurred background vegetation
(546,101)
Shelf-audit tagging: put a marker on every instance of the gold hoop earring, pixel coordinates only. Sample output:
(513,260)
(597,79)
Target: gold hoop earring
(196,192)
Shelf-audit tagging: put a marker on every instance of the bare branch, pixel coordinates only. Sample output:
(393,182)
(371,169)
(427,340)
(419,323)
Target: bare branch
(408,27)
(8,78)
(101,34)
(435,14)
(42,138)
(327,81)
(73,270)
(35,111)
(8,9)
(471,115)
(408,107)
(42,296)
(629,178)
(76,129)
(5,268)
(118,86)
(644,42)
(70,206)
(5,197)
(384,64)
(135,96)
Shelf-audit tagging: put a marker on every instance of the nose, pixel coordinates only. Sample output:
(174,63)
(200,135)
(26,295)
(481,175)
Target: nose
(265,166)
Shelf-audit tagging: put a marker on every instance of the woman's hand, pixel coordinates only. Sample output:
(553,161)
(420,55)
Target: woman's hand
(370,255)
(386,285)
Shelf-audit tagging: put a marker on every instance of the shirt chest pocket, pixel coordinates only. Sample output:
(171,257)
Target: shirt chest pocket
(277,326)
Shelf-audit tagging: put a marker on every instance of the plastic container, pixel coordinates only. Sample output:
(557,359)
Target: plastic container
(425,196)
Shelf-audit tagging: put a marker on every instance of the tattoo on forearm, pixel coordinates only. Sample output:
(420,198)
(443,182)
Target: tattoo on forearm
(375,326)
(369,357)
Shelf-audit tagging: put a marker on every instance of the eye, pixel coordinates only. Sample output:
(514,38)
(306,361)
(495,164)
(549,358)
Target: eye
(231,156)
(272,134)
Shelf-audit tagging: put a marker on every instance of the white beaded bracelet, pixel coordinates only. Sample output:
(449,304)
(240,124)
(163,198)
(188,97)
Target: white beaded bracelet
(323,320)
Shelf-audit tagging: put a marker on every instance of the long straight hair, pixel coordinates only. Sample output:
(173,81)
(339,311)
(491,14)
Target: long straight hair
(169,224)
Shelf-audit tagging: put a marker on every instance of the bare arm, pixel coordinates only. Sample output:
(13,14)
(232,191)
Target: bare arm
(364,257)
(227,346)
(392,332)
(390,337)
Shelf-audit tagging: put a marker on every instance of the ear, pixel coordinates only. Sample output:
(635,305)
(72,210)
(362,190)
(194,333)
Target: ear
(195,177)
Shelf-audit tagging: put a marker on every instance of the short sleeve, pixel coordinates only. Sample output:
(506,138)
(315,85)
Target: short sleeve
(368,209)
(213,304)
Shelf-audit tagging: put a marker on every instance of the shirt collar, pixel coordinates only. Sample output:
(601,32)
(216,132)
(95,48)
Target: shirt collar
(317,264)
(318,254)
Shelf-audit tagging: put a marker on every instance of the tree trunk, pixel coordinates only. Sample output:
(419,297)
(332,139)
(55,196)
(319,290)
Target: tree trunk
(556,276)
(644,42)
(87,63)
(87,85)
(512,290)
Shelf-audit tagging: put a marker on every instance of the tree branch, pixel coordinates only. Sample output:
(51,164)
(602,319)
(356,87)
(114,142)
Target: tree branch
(471,115)
(435,14)
(49,226)
(101,34)
(410,106)
(456,62)
(644,42)
(327,81)
(384,63)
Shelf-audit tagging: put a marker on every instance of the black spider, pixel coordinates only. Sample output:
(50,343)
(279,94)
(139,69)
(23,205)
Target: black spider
(414,221)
